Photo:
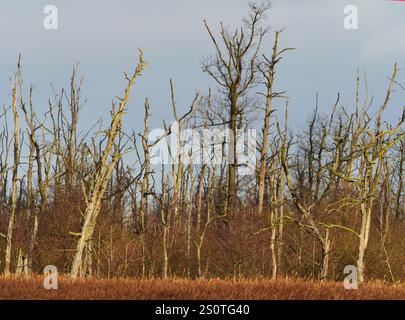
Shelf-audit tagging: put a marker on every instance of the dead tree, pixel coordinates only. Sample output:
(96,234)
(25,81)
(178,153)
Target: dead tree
(33,150)
(165,215)
(369,152)
(145,189)
(143,207)
(276,186)
(400,194)
(103,171)
(268,69)
(70,136)
(16,159)
(190,193)
(234,68)
(177,156)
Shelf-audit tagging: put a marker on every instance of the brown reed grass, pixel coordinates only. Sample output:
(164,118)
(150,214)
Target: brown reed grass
(22,288)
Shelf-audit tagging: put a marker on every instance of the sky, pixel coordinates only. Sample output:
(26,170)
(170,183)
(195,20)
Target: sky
(103,37)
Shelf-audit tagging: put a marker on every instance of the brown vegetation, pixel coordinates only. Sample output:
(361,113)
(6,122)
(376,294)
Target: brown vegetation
(184,289)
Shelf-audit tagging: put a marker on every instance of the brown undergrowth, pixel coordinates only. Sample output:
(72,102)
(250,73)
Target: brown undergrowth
(172,289)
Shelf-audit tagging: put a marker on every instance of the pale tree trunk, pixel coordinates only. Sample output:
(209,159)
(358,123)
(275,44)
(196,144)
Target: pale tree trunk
(273,221)
(165,219)
(145,186)
(88,260)
(281,221)
(165,252)
(43,184)
(74,105)
(269,75)
(189,217)
(177,166)
(364,236)
(400,187)
(326,246)
(29,118)
(103,173)
(33,237)
(14,182)
(21,263)
(198,214)
(366,207)
(85,237)
(200,197)
(273,244)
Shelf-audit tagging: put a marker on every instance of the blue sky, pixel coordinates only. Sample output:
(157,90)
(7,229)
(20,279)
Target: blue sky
(103,36)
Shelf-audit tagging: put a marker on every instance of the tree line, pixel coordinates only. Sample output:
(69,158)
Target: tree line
(94,203)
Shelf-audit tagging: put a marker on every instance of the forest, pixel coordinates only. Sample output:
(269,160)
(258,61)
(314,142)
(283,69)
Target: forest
(96,200)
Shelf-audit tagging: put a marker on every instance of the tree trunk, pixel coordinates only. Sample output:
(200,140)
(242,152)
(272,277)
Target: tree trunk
(14,182)
(364,236)
(325,256)
(232,156)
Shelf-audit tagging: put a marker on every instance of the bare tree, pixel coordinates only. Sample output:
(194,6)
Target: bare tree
(16,159)
(234,68)
(103,171)
(268,69)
